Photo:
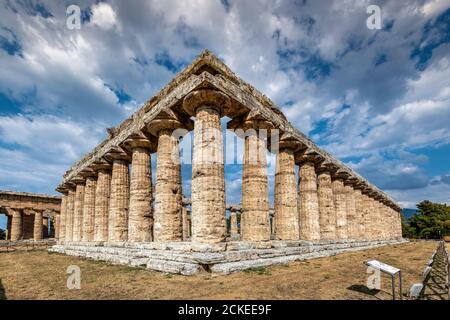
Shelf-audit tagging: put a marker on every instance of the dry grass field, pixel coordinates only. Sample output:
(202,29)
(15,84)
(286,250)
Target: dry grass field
(40,275)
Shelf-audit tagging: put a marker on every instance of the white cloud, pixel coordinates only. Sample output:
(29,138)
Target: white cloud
(103,16)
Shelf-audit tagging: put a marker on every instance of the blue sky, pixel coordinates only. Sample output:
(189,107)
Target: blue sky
(379,100)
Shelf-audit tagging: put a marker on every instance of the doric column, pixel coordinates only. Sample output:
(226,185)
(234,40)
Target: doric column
(119,199)
(340,205)
(102,195)
(62,219)
(233,224)
(168,191)
(8,227)
(69,214)
(38,230)
(208,180)
(359,210)
(78,208)
(327,213)
(398,232)
(255,188)
(367,217)
(186,227)
(140,218)
(286,213)
(16,224)
(309,202)
(352,223)
(57,227)
(89,208)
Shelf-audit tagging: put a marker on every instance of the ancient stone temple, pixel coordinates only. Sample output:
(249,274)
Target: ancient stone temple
(111,211)
(29,215)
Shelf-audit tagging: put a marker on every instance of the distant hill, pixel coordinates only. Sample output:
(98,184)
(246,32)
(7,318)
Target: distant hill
(408,213)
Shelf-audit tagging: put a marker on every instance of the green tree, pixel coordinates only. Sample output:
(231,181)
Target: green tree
(430,222)
(2,234)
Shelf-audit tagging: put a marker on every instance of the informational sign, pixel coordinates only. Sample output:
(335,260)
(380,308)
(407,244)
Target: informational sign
(382,267)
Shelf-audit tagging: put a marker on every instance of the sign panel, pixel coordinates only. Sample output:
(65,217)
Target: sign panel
(382,267)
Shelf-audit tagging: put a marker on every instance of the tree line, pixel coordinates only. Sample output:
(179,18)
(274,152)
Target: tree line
(432,221)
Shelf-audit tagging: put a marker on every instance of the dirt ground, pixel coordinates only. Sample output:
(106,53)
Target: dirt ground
(40,275)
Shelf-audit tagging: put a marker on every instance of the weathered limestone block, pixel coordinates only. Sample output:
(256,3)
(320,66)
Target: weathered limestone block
(352,222)
(366,216)
(37,230)
(255,191)
(16,225)
(327,213)
(78,210)
(309,202)
(168,191)
(208,181)
(62,218)
(119,201)
(286,213)
(69,215)
(359,210)
(57,227)
(89,209)
(340,205)
(102,195)
(140,220)
(186,224)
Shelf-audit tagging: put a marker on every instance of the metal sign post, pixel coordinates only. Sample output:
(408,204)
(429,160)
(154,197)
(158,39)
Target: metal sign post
(390,270)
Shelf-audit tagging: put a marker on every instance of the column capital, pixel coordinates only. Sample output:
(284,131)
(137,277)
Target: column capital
(117,153)
(78,180)
(101,164)
(206,97)
(139,139)
(168,120)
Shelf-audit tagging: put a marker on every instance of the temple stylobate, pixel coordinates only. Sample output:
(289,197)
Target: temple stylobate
(108,200)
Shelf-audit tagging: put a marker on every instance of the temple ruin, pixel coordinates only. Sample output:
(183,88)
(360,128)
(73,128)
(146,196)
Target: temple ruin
(111,211)
(30,216)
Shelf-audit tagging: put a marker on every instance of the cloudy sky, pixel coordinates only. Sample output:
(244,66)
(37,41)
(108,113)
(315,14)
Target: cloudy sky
(379,100)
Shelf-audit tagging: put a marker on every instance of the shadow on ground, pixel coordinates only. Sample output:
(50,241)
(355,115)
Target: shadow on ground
(364,289)
(2,291)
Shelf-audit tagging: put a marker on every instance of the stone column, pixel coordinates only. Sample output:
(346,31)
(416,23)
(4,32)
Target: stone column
(57,227)
(119,201)
(140,220)
(359,210)
(62,219)
(340,205)
(208,181)
(168,191)
(45,227)
(327,213)
(233,224)
(286,212)
(186,229)
(255,190)
(8,227)
(367,217)
(350,203)
(37,231)
(309,202)
(69,214)
(102,194)
(78,209)
(89,209)
(16,225)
